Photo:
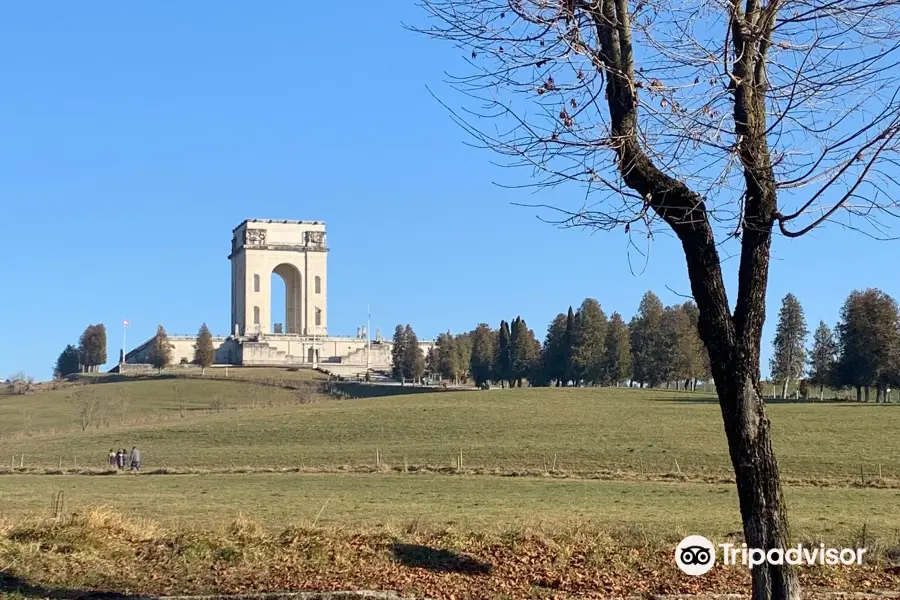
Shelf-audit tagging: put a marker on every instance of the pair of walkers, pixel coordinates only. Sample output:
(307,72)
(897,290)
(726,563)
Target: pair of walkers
(117,458)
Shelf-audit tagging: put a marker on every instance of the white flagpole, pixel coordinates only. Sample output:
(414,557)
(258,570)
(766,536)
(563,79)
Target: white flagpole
(368,335)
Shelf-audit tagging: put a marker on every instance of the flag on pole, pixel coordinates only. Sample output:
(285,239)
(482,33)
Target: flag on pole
(127,323)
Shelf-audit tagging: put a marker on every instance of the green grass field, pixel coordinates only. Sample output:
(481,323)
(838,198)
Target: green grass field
(229,452)
(586,430)
(465,503)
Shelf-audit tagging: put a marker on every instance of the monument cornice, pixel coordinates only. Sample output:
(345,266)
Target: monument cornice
(280,248)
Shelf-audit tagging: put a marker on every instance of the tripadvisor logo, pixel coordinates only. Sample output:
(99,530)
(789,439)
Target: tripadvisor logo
(696,555)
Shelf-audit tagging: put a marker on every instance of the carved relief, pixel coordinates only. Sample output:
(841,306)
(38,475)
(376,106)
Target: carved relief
(254,237)
(315,238)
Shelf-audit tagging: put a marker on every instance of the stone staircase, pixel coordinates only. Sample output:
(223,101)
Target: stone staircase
(262,354)
(379,358)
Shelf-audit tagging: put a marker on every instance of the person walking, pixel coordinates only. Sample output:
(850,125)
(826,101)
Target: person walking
(112,458)
(135,459)
(120,459)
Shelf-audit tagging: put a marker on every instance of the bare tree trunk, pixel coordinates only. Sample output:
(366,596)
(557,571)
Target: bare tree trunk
(784,388)
(867,394)
(759,488)
(821,393)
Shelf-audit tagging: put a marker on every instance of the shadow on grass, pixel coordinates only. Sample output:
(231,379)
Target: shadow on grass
(375,390)
(715,400)
(10,584)
(441,561)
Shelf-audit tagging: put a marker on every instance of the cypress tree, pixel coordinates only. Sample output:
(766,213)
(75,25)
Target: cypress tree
(160,349)
(617,360)
(569,373)
(92,347)
(553,353)
(646,339)
(484,351)
(462,357)
(413,357)
(502,363)
(523,357)
(589,343)
(204,352)
(398,352)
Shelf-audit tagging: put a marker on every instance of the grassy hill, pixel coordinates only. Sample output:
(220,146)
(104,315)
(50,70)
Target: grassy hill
(122,402)
(187,424)
(277,474)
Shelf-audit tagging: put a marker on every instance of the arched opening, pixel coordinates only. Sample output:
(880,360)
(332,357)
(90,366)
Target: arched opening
(278,299)
(318,284)
(255,282)
(318,317)
(289,310)
(256,315)
(313,355)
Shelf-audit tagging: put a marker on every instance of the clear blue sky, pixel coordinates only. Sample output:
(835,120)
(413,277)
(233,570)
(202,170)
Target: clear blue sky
(135,136)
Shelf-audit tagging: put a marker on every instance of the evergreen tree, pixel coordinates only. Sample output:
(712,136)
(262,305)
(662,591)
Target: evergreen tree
(789,349)
(869,342)
(617,358)
(570,372)
(589,344)
(92,347)
(413,357)
(553,353)
(484,350)
(698,361)
(431,363)
(682,352)
(398,353)
(646,339)
(69,362)
(462,357)
(204,352)
(822,358)
(444,351)
(160,349)
(522,352)
(536,376)
(503,363)
(666,353)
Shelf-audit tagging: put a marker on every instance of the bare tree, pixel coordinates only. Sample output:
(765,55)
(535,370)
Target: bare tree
(719,121)
(91,409)
(20,383)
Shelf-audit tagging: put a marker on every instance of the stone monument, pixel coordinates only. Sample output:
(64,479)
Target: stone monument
(293,250)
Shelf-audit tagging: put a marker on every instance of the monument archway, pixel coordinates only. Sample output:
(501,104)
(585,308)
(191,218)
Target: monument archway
(295,251)
(293,297)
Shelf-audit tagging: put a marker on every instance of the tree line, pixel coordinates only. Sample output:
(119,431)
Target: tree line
(660,346)
(90,352)
(582,346)
(861,352)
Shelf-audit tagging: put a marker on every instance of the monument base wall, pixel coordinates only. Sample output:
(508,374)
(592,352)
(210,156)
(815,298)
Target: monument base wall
(279,350)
